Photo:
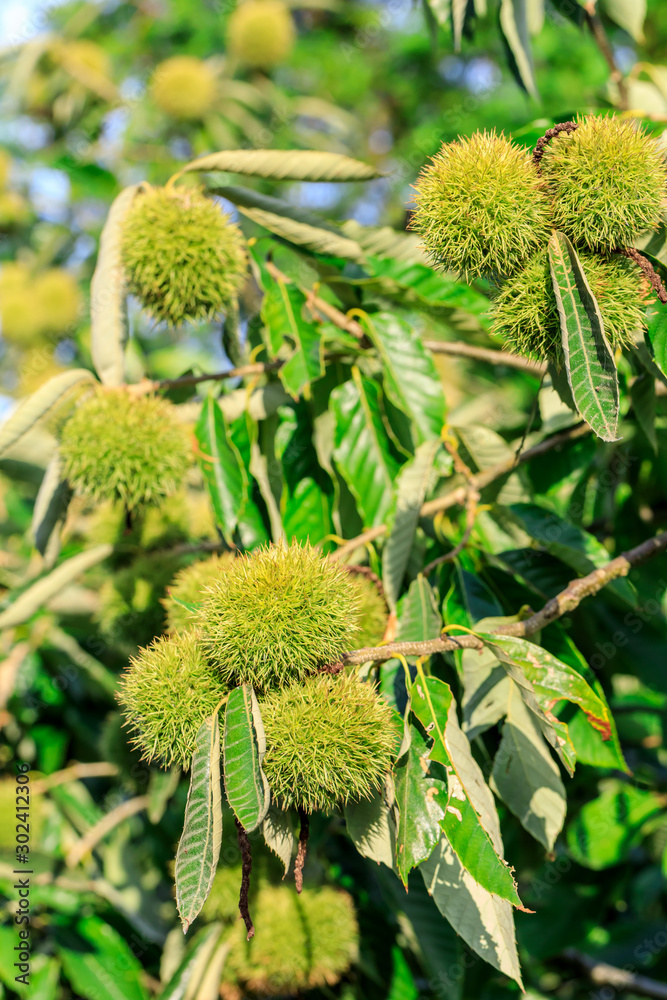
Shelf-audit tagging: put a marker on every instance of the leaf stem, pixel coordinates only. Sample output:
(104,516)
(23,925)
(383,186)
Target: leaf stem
(246,868)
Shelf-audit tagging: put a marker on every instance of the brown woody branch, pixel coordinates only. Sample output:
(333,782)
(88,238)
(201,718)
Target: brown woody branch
(568,599)
(650,273)
(603,974)
(601,40)
(246,868)
(97,833)
(478,482)
(459,348)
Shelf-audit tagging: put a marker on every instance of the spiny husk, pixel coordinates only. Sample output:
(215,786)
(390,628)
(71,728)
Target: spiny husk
(58,298)
(190,586)
(131,450)
(525,315)
(184,87)
(301,942)
(329,740)
(373,611)
(607,181)
(260,33)
(166,693)
(480,206)
(279,613)
(183,257)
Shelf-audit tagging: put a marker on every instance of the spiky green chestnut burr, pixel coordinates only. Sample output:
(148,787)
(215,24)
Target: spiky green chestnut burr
(279,614)
(166,693)
(132,450)
(184,87)
(525,315)
(373,611)
(260,33)
(480,206)
(190,586)
(329,740)
(183,257)
(301,942)
(607,180)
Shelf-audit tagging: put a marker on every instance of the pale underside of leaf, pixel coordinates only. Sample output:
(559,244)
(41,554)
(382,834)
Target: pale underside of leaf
(278,831)
(591,369)
(285,165)
(371,829)
(41,405)
(199,846)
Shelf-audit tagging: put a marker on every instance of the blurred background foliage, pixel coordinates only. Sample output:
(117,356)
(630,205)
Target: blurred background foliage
(92,101)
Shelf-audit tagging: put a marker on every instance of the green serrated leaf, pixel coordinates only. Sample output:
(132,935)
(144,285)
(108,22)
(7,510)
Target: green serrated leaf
(419,805)
(108,312)
(609,826)
(411,487)
(642,392)
(161,787)
(307,362)
(244,746)
(185,982)
(656,335)
(88,952)
(222,466)
(362,451)
(411,379)
(199,846)
(525,775)
(419,617)
(627,14)
(431,701)
(459,8)
(285,165)
(591,369)
(50,510)
(304,234)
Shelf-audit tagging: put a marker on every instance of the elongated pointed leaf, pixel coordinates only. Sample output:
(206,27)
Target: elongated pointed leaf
(431,700)
(222,466)
(50,509)
(244,746)
(43,403)
(88,950)
(282,312)
(411,487)
(591,369)
(459,8)
(515,28)
(108,312)
(656,334)
(552,679)
(285,165)
(199,846)
(303,234)
(187,977)
(485,922)
(411,379)
(419,617)
(420,804)
(37,595)
(362,450)
(525,775)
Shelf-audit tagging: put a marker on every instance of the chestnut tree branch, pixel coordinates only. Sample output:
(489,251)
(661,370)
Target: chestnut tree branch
(567,600)
(603,974)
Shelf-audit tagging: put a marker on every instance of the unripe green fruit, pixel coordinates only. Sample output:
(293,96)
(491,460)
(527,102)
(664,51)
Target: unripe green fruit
(329,740)
(190,586)
(184,87)
(20,316)
(184,259)
(525,315)
(130,450)
(58,299)
(607,180)
(261,33)
(301,942)
(480,206)
(279,614)
(167,692)
(372,609)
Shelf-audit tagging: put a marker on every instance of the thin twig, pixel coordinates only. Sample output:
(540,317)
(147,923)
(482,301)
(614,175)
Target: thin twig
(550,134)
(600,37)
(368,573)
(99,831)
(471,513)
(458,348)
(567,600)
(645,264)
(479,482)
(246,868)
(620,979)
(149,385)
(100,769)
(300,860)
